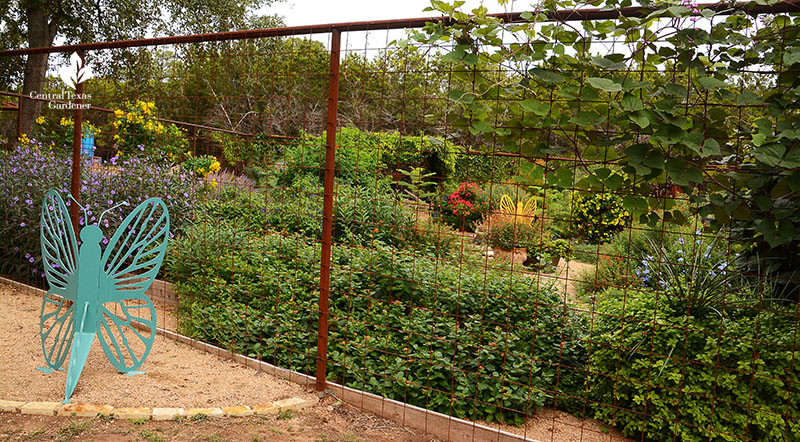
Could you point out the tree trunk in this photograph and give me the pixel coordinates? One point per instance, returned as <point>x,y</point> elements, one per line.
<point>40,33</point>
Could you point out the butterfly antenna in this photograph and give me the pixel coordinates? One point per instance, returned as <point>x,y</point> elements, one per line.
<point>85,215</point>
<point>99,220</point>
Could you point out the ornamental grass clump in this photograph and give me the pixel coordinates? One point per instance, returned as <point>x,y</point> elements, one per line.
<point>29,171</point>
<point>692,270</point>
<point>508,232</point>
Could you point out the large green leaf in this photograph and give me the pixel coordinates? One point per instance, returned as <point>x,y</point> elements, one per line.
<point>631,103</point>
<point>683,173</point>
<point>563,177</point>
<point>770,154</point>
<point>710,83</point>
<point>747,99</point>
<point>604,84</point>
<point>535,106</point>
<point>547,76</point>
<point>607,64</point>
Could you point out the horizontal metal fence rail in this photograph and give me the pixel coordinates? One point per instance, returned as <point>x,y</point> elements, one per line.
<point>558,16</point>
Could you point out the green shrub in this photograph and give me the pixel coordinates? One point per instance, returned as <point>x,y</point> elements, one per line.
<point>597,217</point>
<point>355,165</point>
<point>361,216</point>
<point>294,209</point>
<point>399,151</point>
<point>556,211</point>
<point>433,238</point>
<point>368,214</point>
<point>456,338</point>
<point>253,151</point>
<point>660,374</point>
<point>508,232</point>
<point>362,157</point>
<point>484,168</point>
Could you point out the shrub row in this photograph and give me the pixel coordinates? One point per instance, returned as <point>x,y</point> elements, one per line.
<point>449,337</point>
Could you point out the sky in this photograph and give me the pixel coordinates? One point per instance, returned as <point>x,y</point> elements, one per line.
<point>313,12</point>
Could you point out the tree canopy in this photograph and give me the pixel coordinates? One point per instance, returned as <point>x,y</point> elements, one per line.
<point>36,23</point>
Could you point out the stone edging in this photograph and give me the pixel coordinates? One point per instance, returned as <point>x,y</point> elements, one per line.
<point>156,414</point>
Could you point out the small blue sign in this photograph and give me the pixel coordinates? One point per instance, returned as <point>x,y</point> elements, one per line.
<point>87,145</point>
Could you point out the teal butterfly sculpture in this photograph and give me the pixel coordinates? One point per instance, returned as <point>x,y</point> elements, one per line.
<point>96,292</point>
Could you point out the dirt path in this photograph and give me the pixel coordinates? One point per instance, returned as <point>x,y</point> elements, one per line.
<point>176,375</point>
<point>565,277</point>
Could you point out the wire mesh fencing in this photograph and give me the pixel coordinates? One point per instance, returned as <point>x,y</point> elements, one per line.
<point>554,223</point>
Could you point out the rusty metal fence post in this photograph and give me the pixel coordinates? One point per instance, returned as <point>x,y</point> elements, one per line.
<point>19,117</point>
<point>327,210</point>
<point>75,188</point>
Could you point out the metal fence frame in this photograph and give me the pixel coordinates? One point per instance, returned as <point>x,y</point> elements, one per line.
<point>332,124</point>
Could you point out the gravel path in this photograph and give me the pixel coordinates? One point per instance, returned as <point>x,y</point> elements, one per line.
<point>176,375</point>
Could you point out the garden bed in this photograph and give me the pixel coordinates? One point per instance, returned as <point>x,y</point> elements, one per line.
<point>181,376</point>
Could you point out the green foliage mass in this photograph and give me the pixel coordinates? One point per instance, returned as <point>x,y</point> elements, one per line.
<point>596,217</point>
<point>363,157</point>
<point>675,101</point>
<point>660,374</point>
<point>361,216</point>
<point>410,328</point>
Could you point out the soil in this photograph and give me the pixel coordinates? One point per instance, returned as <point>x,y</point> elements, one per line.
<point>175,374</point>
<point>558,426</point>
<point>327,421</point>
<point>181,376</point>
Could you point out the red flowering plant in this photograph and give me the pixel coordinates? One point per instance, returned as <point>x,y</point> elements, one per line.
<point>465,206</point>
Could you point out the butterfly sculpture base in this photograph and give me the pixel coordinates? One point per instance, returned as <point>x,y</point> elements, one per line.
<point>100,293</point>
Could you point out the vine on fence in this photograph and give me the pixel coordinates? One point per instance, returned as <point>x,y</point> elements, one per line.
<point>676,105</point>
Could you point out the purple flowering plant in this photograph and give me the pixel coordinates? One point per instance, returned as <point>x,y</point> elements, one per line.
<point>28,171</point>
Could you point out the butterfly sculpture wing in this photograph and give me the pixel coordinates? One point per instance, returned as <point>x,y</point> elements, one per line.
<point>59,258</point>
<point>127,322</point>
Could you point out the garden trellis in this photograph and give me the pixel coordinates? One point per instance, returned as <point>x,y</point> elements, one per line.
<point>661,167</point>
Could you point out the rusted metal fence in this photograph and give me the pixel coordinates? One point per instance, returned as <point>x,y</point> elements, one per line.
<point>334,216</point>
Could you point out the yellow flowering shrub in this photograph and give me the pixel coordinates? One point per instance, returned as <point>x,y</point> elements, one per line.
<point>58,135</point>
<point>138,132</point>
<point>202,166</point>
<point>597,217</point>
